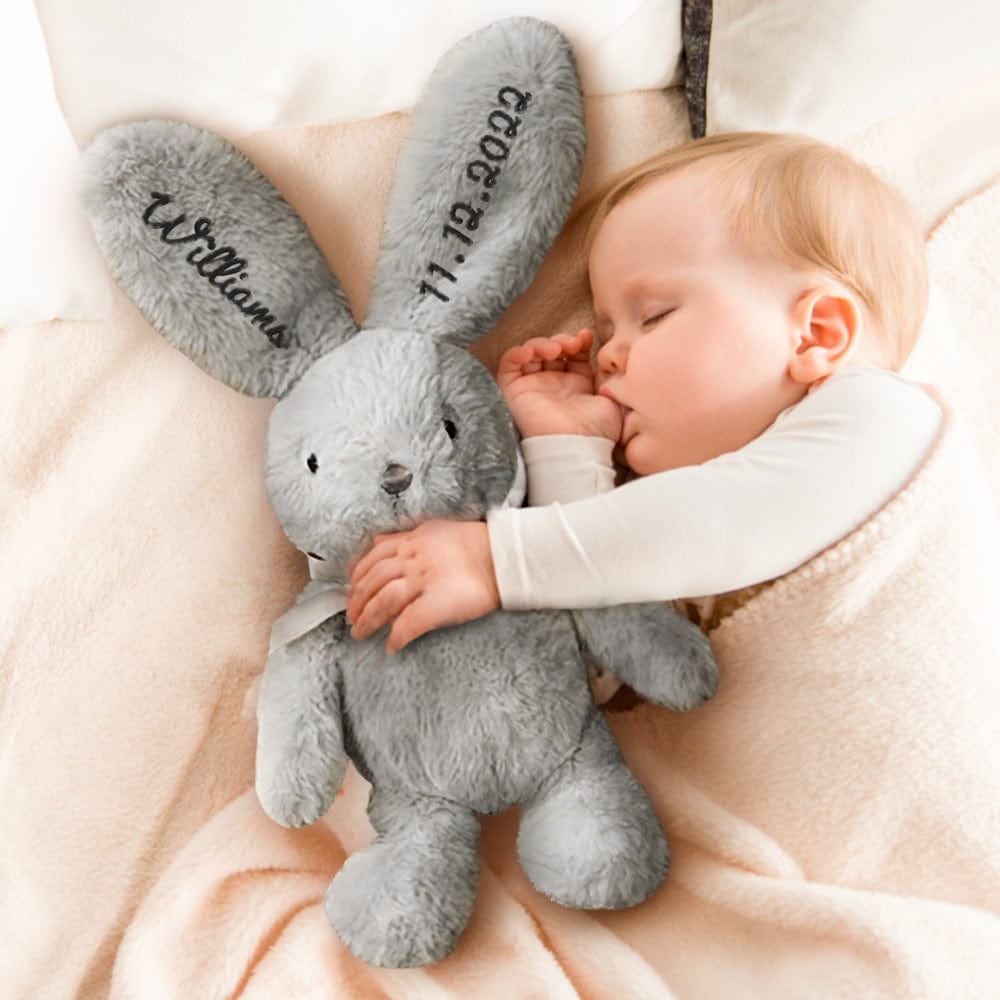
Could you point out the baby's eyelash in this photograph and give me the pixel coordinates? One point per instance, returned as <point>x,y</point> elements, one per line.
<point>656,319</point>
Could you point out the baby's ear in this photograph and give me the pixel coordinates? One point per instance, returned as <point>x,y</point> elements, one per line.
<point>212,255</point>
<point>484,182</point>
<point>828,325</point>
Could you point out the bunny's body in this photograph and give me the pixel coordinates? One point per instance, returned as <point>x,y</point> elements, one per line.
<point>423,723</point>
<point>378,429</point>
<point>441,743</point>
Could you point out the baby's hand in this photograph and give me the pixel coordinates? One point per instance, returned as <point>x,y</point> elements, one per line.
<point>440,573</point>
<point>548,384</point>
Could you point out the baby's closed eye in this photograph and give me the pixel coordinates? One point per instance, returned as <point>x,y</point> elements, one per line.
<point>656,317</point>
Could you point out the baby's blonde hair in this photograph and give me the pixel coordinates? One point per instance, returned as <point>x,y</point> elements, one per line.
<point>814,207</point>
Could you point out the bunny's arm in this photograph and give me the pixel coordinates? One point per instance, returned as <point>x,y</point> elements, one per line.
<point>301,759</point>
<point>656,651</point>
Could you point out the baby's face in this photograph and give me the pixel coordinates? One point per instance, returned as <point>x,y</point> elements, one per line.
<point>696,333</point>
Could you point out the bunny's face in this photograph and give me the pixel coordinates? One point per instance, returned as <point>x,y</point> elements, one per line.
<point>387,430</point>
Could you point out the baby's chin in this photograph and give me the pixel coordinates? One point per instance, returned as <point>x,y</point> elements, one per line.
<point>635,458</point>
<point>644,458</point>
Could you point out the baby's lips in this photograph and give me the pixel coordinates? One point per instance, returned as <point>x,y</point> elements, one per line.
<point>603,390</point>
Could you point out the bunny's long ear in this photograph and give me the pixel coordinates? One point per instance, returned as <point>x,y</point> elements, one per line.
<point>484,182</point>
<point>212,254</point>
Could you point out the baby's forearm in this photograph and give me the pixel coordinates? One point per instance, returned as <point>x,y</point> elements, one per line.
<point>593,552</point>
<point>564,467</point>
<point>638,543</point>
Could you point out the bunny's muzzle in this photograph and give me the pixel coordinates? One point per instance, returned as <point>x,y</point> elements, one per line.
<point>396,479</point>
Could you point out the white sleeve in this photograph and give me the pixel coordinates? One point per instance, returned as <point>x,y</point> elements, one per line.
<point>566,467</point>
<point>822,468</point>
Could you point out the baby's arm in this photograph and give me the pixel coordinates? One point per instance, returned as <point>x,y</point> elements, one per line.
<point>737,520</point>
<point>441,573</point>
<point>820,471</point>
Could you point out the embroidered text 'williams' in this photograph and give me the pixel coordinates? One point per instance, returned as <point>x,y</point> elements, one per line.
<point>220,266</point>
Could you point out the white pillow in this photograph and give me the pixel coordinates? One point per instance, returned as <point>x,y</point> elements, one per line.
<point>238,67</point>
<point>833,67</point>
<point>49,264</point>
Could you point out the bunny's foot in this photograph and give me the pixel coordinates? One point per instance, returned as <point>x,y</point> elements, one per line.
<point>404,900</point>
<point>589,838</point>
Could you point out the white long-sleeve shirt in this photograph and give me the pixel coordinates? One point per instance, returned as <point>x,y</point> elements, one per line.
<point>822,468</point>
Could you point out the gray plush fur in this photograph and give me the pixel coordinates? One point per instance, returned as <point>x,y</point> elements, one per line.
<point>466,720</point>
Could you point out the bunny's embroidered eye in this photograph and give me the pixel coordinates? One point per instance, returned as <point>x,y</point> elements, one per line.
<point>451,429</point>
<point>312,464</point>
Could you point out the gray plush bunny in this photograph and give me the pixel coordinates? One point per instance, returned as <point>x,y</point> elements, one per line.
<point>377,429</point>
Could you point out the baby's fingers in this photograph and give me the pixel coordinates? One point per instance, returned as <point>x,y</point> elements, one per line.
<point>385,606</point>
<point>364,586</point>
<point>529,356</point>
<point>411,624</point>
<point>543,353</point>
<point>575,345</point>
<point>566,348</point>
<point>576,351</point>
<point>383,547</point>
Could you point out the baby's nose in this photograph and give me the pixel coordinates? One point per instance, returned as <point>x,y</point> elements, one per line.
<point>396,479</point>
<point>611,357</point>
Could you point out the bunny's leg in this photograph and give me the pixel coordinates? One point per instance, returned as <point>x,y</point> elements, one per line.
<point>404,900</point>
<point>300,749</point>
<point>589,837</point>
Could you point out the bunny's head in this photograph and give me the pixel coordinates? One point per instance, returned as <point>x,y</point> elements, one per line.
<point>382,432</point>
<point>379,427</point>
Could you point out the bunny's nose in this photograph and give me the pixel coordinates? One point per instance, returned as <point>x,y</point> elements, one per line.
<point>396,479</point>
